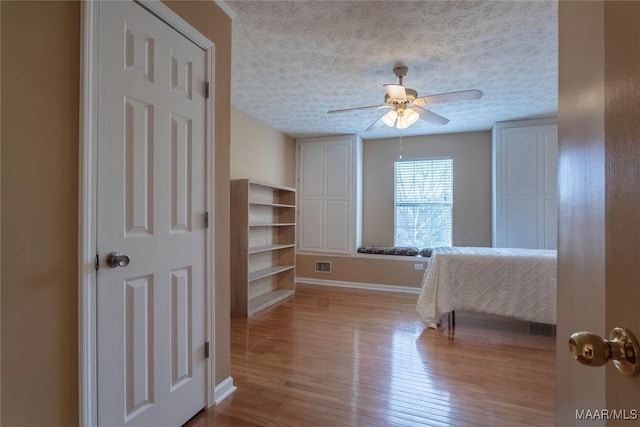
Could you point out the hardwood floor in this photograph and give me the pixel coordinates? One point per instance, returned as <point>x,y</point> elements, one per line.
<point>346,357</point>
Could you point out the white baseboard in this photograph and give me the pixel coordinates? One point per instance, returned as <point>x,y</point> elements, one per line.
<point>223,390</point>
<point>359,285</point>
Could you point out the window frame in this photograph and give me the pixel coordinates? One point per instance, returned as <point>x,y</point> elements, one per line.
<point>418,159</point>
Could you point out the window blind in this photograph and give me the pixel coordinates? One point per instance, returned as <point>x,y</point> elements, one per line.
<point>423,202</point>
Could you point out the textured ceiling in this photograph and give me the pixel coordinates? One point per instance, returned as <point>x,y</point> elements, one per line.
<point>292,61</point>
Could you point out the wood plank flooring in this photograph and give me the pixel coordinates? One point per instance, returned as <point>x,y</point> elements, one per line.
<point>347,357</point>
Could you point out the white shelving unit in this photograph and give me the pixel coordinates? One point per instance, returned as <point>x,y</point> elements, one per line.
<point>263,245</point>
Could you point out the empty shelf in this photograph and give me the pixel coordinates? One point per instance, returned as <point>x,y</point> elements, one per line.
<point>267,248</point>
<point>263,301</point>
<point>274,205</point>
<point>273,224</point>
<point>266,272</point>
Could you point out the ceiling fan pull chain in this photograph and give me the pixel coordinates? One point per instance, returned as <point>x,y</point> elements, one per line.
<point>400,148</point>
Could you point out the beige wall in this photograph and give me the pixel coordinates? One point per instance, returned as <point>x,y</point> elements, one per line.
<point>39,131</point>
<point>39,155</point>
<point>471,153</point>
<point>260,152</point>
<point>377,271</point>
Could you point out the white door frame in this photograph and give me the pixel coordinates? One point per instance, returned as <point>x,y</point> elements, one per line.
<point>87,224</point>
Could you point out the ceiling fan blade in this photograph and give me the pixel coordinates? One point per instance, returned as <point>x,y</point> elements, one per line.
<point>368,107</point>
<point>430,117</point>
<point>377,125</point>
<point>395,91</point>
<point>463,95</point>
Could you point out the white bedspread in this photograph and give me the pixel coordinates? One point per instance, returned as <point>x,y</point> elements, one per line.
<point>519,283</point>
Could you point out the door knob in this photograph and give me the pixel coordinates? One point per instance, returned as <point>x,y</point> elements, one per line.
<point>116,259</point>
<point>621,348</point>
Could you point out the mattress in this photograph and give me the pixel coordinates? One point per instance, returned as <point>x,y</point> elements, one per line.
<point>518,283</point>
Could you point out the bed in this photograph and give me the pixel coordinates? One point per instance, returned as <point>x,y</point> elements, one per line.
<point>518,283</point>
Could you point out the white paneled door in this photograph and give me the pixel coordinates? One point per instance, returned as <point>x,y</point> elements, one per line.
<point>151,207</point>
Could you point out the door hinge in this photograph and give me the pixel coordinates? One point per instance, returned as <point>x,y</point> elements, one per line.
<point>206,90</point>
<point>206,350</point>
<point>97,262</point>
<point>206,219</point>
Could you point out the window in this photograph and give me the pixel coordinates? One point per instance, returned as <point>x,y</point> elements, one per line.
<point>423,202</point>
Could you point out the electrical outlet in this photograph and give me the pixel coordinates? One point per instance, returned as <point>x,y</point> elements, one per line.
<point>418,266</point>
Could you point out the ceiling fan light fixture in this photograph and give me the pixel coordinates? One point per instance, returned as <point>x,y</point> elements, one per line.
<point>402,123</point>
<point>389,118</point>
<point>407,118</point>
<point>411,116</point>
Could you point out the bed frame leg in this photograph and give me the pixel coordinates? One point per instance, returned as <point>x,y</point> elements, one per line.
<point>451,319</point>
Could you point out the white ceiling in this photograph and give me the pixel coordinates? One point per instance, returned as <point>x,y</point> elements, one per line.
<point>292,61</point>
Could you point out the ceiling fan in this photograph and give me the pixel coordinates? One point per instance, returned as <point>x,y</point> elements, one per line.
<point>406,105</point>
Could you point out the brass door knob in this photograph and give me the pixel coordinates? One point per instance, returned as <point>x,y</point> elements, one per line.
<point>621,348</point>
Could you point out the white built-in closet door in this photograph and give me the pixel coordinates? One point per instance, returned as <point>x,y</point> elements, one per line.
<point>325,176</point>
<point>336,208</point>
<point>526,187</point>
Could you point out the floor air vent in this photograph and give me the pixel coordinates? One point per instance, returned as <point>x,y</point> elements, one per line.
<point>322,267</point>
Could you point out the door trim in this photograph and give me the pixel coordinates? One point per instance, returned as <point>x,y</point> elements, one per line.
<point>87,207</point>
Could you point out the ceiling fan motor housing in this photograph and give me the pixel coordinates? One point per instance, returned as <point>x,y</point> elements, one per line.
<point>411,95</point>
